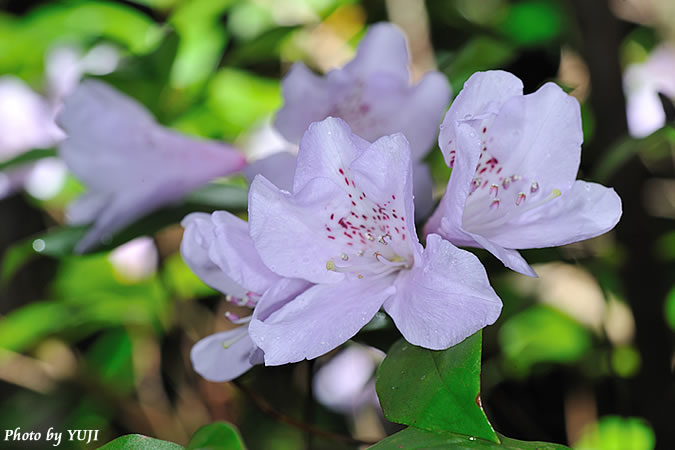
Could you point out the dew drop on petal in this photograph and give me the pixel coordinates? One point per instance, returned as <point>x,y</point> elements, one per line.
<point>534,187</point>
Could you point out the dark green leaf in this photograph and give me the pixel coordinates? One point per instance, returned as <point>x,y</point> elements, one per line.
<point>416,439</point>
<point>435,390</point>
<point>216,436</point>
<point>139,442</point>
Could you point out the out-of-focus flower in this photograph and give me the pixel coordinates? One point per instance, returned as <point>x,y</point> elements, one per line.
<point>135,260</point>
<point>27,119</point>
<point>219,250</point>
<point>514,162</point>
<point>373,94</point>
<point>130,164</point>
<point>346,383</point>
<point>348,227</point>
<point>642,83</point>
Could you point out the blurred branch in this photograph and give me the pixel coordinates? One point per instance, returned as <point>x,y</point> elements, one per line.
<point>268,409</point>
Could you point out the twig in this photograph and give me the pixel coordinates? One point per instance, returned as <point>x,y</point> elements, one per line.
<point>268,409</point>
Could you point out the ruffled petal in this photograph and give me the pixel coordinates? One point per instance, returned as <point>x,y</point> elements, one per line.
<point>319,320</point>
<point>444,298</point>
<point>215,360</point>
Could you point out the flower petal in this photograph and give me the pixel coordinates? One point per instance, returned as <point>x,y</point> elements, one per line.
<point>444,299</point>
<point>319,320</point>
<point>538,137</point>
<point>327,148</point>
<point>213,361</point>
<point>447,219</point>
<point>423,185</point>
<point>307,98</point>
<point>420,112</point>
<point>382,50</point>
<point>115,146</point>
<point>278,167</point>
<point>510,258</point>
<point>585,211</point>
<point>483,93</point>
<point>288,231</point>
<point>198,239</point>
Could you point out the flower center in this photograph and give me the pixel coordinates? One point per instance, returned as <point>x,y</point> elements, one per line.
<point>372,234</point>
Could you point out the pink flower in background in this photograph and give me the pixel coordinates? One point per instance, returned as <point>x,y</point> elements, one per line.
<point>514,161</point>
<point>130,164</point>
<point>642,84</point>
<point>348,227</point>
<point>219,250</point>
<point>373,94</point>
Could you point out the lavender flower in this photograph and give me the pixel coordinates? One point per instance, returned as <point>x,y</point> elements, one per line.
<point>130,164</point>
<point>514,161</point>
<point>347,227</point>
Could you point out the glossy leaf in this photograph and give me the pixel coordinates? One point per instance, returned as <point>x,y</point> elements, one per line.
<point>435,390</point>
<point>416,439</point>
<point>139,442</point>
<point>216,436</point>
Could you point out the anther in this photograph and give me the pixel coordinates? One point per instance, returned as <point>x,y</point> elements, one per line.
<point>520,198</point>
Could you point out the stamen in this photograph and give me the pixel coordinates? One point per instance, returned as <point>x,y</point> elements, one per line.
<point>230,342</point>
<point>494,190</point>
<point>520,198</point>
<point>235,319</point>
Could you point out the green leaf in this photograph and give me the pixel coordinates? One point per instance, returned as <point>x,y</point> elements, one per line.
<point>542,334</point>
<point>216,436</point>
<point>27,157</point>
<point>435,390</point>
<point>533,22</point>
<point>139,442</point>
<point>416,439</point>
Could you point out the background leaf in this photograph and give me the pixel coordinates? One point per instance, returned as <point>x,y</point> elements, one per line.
<point>139,442</point>
<point>216,436</point>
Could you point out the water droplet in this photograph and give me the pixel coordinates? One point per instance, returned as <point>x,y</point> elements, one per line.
<point>344,257</point>
<point>494,189</point>
<point>471,438</point>
<point>534,187</point>
<point>495,204</point>
<point>506,183</point>
<point>39,245</point>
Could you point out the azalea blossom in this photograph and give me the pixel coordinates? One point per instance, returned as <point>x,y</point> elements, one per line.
<point>130,164</point>
<point>373,94</point>
<point>348,228</point>
<point>642,83</point>
<point>219,250</point>
<point>514,161</point>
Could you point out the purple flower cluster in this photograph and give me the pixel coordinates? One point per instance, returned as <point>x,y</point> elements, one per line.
<point>321,255</point>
